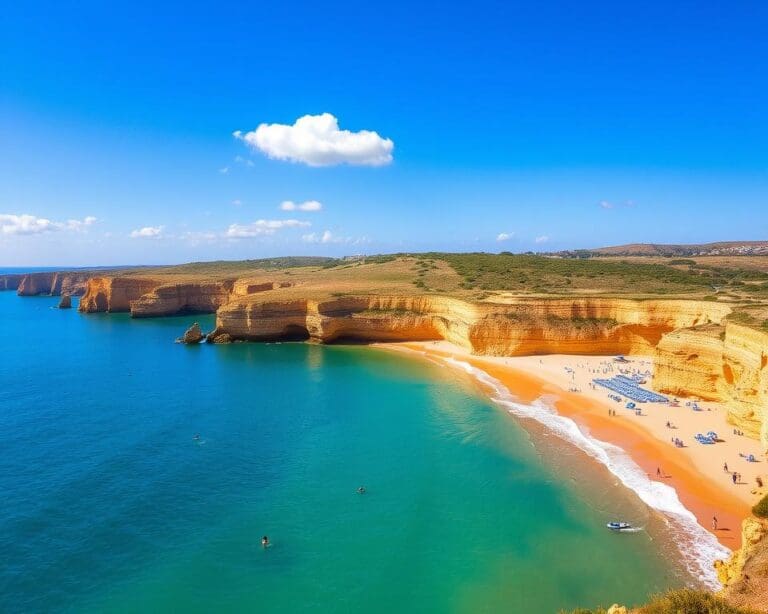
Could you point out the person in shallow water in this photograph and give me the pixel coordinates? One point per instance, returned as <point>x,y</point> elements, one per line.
<point>196,437</point>
<point>265,542</point>
<point>361,490</point>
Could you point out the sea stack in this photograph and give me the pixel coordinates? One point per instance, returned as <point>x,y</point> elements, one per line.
<point>193,334</point>
<point>65,302</point>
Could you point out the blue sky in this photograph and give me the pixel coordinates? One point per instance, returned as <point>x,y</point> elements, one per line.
<point>549,125</point>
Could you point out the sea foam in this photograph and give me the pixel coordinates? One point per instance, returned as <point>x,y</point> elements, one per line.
<point>699,549</point>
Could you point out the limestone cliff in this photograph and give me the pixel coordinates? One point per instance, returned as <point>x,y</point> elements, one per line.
<point>181,298</point>
<point>725,363</point>
<point>745,575</point>
<point>114,294</point>
<point>10,281</point>
<point>521,327</point>
<point>148,297</point>
<point>53,283</point>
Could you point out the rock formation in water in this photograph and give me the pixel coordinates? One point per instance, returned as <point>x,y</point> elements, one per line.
<point>193,334</point>
<point>65,302</point>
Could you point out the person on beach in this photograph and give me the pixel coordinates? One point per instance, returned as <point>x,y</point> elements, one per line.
<point>714,523</point>
<point>725,467</point>
<point>658,472</point>
<point>733,477</point>
<point>265,542</point>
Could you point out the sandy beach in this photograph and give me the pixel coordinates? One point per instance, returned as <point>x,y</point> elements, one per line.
<point>696,471</point>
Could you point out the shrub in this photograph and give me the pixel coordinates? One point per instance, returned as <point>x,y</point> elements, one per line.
<point>761,508</point>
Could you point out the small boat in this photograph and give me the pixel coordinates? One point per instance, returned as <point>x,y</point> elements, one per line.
<point>618,526</point>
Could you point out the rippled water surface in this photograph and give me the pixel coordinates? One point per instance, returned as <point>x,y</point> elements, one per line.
<point>110,505</point>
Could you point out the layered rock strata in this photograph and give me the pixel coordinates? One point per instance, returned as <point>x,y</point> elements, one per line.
<point>727,364</point>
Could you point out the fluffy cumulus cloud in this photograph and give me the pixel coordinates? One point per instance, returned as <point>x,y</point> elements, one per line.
<point>148,232</point>
<point>504,236</point>
<point>316,140</point>
<point>26,224</point>
<point>261,228</point>
<point>307,205</point>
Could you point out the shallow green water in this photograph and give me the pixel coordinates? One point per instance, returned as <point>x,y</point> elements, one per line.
<point>110,506</point>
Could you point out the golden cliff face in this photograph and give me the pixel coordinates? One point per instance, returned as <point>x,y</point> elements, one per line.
<point>114,294</point>
<point>727,364</point>
<point>745,575</point>
<point>146,297</point>
<point>53,283</point>
<point>181,298</point>
<point>533,326</point>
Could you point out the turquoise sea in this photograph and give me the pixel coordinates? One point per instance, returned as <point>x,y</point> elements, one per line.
<point>110,505</point>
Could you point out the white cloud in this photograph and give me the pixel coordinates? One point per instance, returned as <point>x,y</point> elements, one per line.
<point>147,232</point>
<point>606,205</point>
<point>504,236</point>
<point>224,170</point>
<point>308,205</point>
<point>237,202</point>
<point>325,237</point>
<point>542,239</point>
<point>26,224</point>
<point>261,227</point>
<point>244,161</point>
<point>316,140</point>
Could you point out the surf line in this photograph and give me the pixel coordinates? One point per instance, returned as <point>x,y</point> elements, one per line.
<point>698,548</point>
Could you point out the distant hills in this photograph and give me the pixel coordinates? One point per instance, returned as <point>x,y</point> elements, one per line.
<point>721,248</point>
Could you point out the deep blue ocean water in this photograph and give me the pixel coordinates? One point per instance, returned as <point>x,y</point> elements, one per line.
<point>110,505</point>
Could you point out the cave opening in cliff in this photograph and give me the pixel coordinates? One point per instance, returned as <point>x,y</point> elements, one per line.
<point>294,332</point>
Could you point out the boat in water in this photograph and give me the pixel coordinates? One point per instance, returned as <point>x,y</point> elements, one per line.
<point>618,526</point>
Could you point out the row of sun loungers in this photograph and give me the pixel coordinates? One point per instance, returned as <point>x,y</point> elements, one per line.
<point>629,388</point>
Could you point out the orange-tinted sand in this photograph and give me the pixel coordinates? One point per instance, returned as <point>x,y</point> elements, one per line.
<point>696,472</point>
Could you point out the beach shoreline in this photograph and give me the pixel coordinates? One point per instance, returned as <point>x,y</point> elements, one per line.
<point>695,472</point>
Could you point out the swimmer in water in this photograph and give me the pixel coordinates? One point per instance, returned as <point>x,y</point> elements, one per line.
<point>196,437</point>
<point>361,490</point>
<point>265,542</point>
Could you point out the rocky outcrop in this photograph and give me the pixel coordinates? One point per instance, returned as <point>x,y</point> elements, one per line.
<point>182,298</point>
<point>727,364</point>
<point>194,334</point>
<point>115,294</point>
<point>745,575</point>
<point>53,283</point>
<point>65,302</point>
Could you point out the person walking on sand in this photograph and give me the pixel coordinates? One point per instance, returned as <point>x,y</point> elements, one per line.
<point>714,523</point>
<point>658,472</point>
<point>733,477</point>
<point>725,467</point>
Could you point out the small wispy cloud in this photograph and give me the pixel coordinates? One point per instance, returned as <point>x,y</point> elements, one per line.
<point>237,202</point>
<point>606,205</point>
<point>307,205</point>
<point>541,239</point>
<point>147,232</point>
<point>261,228</point>
<point>224,170</point>
<point>504,236</point>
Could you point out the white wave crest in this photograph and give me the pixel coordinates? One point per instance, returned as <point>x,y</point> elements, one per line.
<point>699,549</point>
